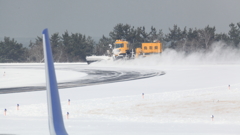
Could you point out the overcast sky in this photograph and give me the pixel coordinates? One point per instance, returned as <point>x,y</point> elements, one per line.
<point>27,18</point>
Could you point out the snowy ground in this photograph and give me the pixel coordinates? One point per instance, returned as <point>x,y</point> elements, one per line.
<point>32,76</point>
<point>179,102</point>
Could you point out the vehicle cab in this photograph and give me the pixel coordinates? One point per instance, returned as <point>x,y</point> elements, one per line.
<point>121,48</point>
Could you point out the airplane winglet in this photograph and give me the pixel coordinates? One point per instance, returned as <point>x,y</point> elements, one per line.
<point>55,118</point>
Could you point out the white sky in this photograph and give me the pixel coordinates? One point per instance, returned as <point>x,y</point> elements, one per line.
<point>94,18</point>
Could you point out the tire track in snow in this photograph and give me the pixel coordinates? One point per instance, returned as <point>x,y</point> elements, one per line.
<point>94,77</point>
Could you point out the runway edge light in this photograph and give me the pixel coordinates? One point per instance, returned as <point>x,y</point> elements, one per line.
<point>55,118</point>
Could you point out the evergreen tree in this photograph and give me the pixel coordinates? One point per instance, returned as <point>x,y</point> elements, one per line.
<point>222,37</point>
<point>57,47</point>
<point>66,41</point>
<point>155,35</point>
<point>78,46</point>
<point>103,45</point>
<point>176,36</point>
<point>11,51</point>
<point>192,40</point>
<point>234,33</point>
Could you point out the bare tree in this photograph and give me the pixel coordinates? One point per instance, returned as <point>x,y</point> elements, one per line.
<point>206,36</point>
<point>36,50</point>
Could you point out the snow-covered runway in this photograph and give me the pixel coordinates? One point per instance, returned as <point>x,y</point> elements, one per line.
<point>179,102</point>
<point>26,78</point>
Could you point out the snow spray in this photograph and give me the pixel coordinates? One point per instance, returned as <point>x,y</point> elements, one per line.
<point>219,53</point>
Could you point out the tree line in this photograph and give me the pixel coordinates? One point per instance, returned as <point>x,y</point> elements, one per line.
<point>75,47</point>
<point>65,48</point>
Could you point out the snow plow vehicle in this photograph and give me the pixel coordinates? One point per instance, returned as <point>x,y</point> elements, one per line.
<point>148,48</point>
<point>121,50</point>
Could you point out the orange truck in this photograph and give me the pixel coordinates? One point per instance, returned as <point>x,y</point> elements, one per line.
<point>121,50</point>
<point>148,48</point>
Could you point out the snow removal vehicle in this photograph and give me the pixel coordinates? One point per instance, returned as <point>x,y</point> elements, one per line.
<point>121,51</point>
<point>148,49</point>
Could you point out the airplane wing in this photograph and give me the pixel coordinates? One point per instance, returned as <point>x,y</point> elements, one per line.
<point>55,118</point>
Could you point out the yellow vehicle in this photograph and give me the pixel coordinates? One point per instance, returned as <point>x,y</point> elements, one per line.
<point>121,49</point>
<point>149,48</point>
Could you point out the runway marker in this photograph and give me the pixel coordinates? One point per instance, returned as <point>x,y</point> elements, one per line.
<point>17,106</point>
<point>67,115</point>
<point>68,101</point>
<point>5,112</point>
<point>212,117</point>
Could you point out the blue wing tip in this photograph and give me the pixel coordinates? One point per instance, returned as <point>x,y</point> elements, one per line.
<point>45,31</point>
